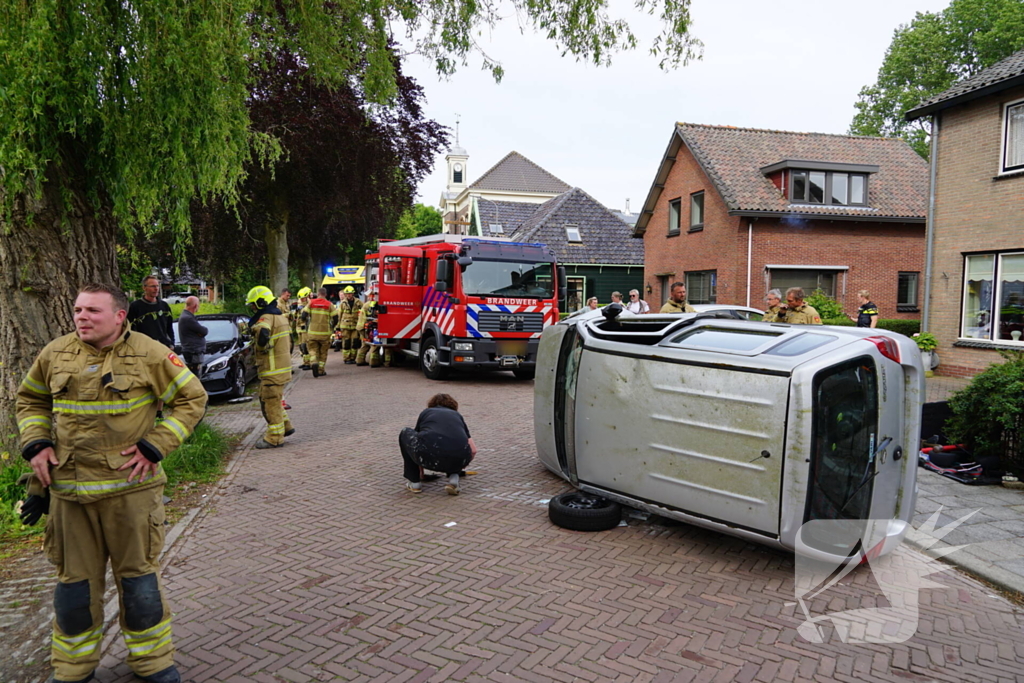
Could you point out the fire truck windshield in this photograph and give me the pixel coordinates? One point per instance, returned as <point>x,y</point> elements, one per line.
<point>505,278</point>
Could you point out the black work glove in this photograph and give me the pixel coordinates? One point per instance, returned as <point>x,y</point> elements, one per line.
<point>33,508</point>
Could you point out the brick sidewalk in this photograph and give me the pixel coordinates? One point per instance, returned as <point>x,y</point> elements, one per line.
<point>314,564</point>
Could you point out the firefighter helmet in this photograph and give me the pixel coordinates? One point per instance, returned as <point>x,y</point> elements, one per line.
<point>259,296</point>
<point>304,292</point>
<point>349,290</point>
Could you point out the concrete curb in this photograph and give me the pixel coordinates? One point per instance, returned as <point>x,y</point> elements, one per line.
<point>976,568</point>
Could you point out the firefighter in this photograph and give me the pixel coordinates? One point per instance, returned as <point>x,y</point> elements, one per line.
<point>367,324</point>
<point>269,328</point>
<point>87,413</point>
<point>348,323</point>
<point>321,317</point>
<point>301,327</point>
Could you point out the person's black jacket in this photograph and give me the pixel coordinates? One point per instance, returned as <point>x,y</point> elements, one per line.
<point>191,333</point>
<point>152,320</point>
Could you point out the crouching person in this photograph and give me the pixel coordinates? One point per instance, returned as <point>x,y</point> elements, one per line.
<point>87,413</point>
<point>440,443</point>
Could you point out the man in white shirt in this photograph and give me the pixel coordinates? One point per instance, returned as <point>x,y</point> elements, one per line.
<point>636,304</point>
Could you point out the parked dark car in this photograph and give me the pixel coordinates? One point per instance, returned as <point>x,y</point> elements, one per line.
<point>229,364</point>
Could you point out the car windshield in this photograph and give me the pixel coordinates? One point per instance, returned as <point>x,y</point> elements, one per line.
<point>504,278</point>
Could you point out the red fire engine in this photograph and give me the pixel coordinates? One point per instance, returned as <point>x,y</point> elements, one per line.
<point>463,302</point>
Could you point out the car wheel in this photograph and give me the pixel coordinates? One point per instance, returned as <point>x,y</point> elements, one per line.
<point>430,360</point>
<point>238,389</point>
<point>525,373</point>
<point>580,511</point>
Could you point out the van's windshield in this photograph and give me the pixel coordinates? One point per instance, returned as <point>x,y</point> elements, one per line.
<point>844,439</point>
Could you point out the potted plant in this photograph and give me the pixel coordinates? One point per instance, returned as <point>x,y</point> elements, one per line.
<point>927,343</point>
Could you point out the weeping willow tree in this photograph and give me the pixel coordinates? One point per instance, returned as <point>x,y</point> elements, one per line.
<point>116,114</point>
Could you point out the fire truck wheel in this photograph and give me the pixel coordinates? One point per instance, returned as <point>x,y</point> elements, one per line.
<point>430,360</point>
<point>581,511</point>
<point>525,373</point>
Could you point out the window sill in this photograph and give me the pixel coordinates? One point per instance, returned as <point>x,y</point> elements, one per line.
<point>987,344</point>
<point>1016,173</point>
<point>907,308</point>
<point>696,228</point>
<point>673,234</point>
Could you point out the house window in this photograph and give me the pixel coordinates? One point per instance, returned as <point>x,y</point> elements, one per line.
<point>820,187</point>
<point>497,229</point>
<point>1013,137</point>
<point>993,305</point>
<point>906,292</point>
<point>701,287</point>
<point>572,233</point>
<point>574,291</point>
<point>808,280</point>
<point>697,211</point>
<point>674,207</point>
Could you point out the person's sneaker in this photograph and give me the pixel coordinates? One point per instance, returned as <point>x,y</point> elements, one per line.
<point>316,371</point>
<point>168,675</point>
<point>414,488</point>
<point>290,432</point>
<point>266,444</point>
<point>54,679</point>
<point>452,488</point>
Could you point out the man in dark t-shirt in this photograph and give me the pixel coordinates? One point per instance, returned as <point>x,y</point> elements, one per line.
<point>867,314</point>
<point>150,315</point>
<point>440,442</point>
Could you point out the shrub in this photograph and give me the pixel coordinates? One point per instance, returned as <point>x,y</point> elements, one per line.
<point>842,322</point>
<point>988,414</point>
<point>826,306</point>
<point>907,327</point>
<point>926,341</point>
<point>11,492</point>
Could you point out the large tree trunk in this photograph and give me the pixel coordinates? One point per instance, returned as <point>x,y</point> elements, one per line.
<point>307,269</point>
<point>277,245</point>
<point>44,259</point>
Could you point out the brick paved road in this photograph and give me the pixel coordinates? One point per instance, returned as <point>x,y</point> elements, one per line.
<point>315,564</point>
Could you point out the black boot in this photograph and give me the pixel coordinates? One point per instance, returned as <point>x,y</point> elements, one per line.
<point>168,675</point>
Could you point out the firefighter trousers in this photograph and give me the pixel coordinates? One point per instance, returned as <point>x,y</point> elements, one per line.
<point>318,349</point>
<point>274,413</point>
<point>304,348</point>
<point>129,531</point>
<point>350,342</point>
<point>370,354</point>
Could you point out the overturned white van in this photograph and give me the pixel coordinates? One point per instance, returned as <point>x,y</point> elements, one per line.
<point>749,428</point>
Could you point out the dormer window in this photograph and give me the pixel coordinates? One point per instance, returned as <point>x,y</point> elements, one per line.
<point>817,182</point>
<point>572,233</point>
<point>457,173</point>
<point>497,229</point>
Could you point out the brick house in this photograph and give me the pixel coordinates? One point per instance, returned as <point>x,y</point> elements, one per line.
<point>974,284</point>
<point>734,212</point>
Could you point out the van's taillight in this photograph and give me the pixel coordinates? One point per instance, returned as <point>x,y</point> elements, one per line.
<point>887,347</point>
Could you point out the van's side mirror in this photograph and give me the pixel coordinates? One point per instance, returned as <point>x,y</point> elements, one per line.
<point>563,288</point>
<point>443,273</point>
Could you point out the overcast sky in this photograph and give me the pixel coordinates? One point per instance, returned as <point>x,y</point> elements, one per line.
<point>783,65</point>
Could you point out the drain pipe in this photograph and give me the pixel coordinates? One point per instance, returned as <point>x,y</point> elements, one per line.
<point>930,226</point>
<point>750,254</point>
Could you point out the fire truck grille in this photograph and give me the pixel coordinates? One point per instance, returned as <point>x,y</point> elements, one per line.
<point>494,321</point>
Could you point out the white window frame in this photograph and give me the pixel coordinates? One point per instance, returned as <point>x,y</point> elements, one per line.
<point>997,297</point>
<point>1003,138</point>
<point>573,234</point>
<point>675,215</point>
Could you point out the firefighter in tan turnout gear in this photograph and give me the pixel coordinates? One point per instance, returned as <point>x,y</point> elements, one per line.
<point>271,334</point>
<point>349,309</point>
<point>301,327</point>
<point>321,317</point>
<point>370,351</point>
<point>87,416</point>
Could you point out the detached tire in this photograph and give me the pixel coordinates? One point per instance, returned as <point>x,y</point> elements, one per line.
<point>580,511</point>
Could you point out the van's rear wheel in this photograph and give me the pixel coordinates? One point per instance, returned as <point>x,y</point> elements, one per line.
<point>580,511</point>
<point>430,360</point>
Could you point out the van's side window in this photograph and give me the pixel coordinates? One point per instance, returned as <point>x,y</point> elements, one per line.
<point>844,437</point>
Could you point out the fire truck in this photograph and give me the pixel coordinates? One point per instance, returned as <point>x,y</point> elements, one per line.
<point>454,302</point>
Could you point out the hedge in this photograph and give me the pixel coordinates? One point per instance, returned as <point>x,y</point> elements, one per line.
<point>907,327</point>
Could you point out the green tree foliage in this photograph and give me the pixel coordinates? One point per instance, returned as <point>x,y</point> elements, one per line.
<point>988,415</point>
<point>827,307</point>
<point>418,221</point>
<point>929,55</point>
